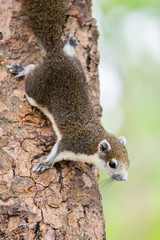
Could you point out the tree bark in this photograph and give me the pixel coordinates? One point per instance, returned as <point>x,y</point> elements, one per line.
<point>59,203</point>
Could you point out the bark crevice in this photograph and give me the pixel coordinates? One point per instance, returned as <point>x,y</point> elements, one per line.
<point>63,202</point>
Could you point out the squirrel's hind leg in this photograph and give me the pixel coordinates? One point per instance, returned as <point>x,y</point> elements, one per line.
<point>20,71</point>
<point>72,40</point>
<point>69,47</point>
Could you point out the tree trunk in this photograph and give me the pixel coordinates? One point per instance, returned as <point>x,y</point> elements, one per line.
<point>59,203</point>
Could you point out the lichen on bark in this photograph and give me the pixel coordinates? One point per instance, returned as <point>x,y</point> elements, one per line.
<point>63,202</point>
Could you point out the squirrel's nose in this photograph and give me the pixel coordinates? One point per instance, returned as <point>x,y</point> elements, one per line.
<point>119,177</point>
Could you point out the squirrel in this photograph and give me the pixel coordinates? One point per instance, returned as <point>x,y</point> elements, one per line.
<point>58,87</point>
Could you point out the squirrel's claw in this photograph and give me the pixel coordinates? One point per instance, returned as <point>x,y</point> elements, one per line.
<point>42,166</point>
<point>72,40</point>
<point>16,69</point>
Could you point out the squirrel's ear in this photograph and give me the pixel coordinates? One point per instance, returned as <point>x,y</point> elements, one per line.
<point>104,147</point>
<point>122,140</point>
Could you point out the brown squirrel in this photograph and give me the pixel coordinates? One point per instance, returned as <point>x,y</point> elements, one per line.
<point>58,88</point>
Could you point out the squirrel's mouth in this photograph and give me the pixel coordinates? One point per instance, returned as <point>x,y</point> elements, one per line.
<point>119,177</point>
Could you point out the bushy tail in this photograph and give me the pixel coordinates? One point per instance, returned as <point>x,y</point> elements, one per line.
<point>46,18</point>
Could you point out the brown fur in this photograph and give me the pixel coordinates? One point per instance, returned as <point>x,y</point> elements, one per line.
<point>59,84</point>
<point>46,19</point>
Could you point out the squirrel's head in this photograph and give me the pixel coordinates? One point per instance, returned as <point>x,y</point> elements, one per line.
<point>113,157</point>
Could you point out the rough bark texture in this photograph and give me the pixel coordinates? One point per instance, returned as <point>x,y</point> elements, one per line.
<point>63,202</point>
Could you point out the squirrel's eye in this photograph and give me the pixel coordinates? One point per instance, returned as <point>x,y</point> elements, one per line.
<point>112,164</point>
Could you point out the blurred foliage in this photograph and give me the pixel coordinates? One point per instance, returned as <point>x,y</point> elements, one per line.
<point>107,5</point>
<point>132,209</point>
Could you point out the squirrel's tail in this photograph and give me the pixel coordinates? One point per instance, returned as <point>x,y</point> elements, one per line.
<point>46,18</point>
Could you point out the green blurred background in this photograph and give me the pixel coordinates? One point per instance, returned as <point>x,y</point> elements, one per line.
<point>129,46</point>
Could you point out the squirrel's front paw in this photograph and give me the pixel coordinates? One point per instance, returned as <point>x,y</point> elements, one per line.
<point>42,166</point>
<point>16,69</point>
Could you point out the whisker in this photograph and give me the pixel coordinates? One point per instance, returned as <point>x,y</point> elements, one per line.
<point>105,184</point>
<point>102,187</point>
<point>105,180</point>
<point>107,187</point>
